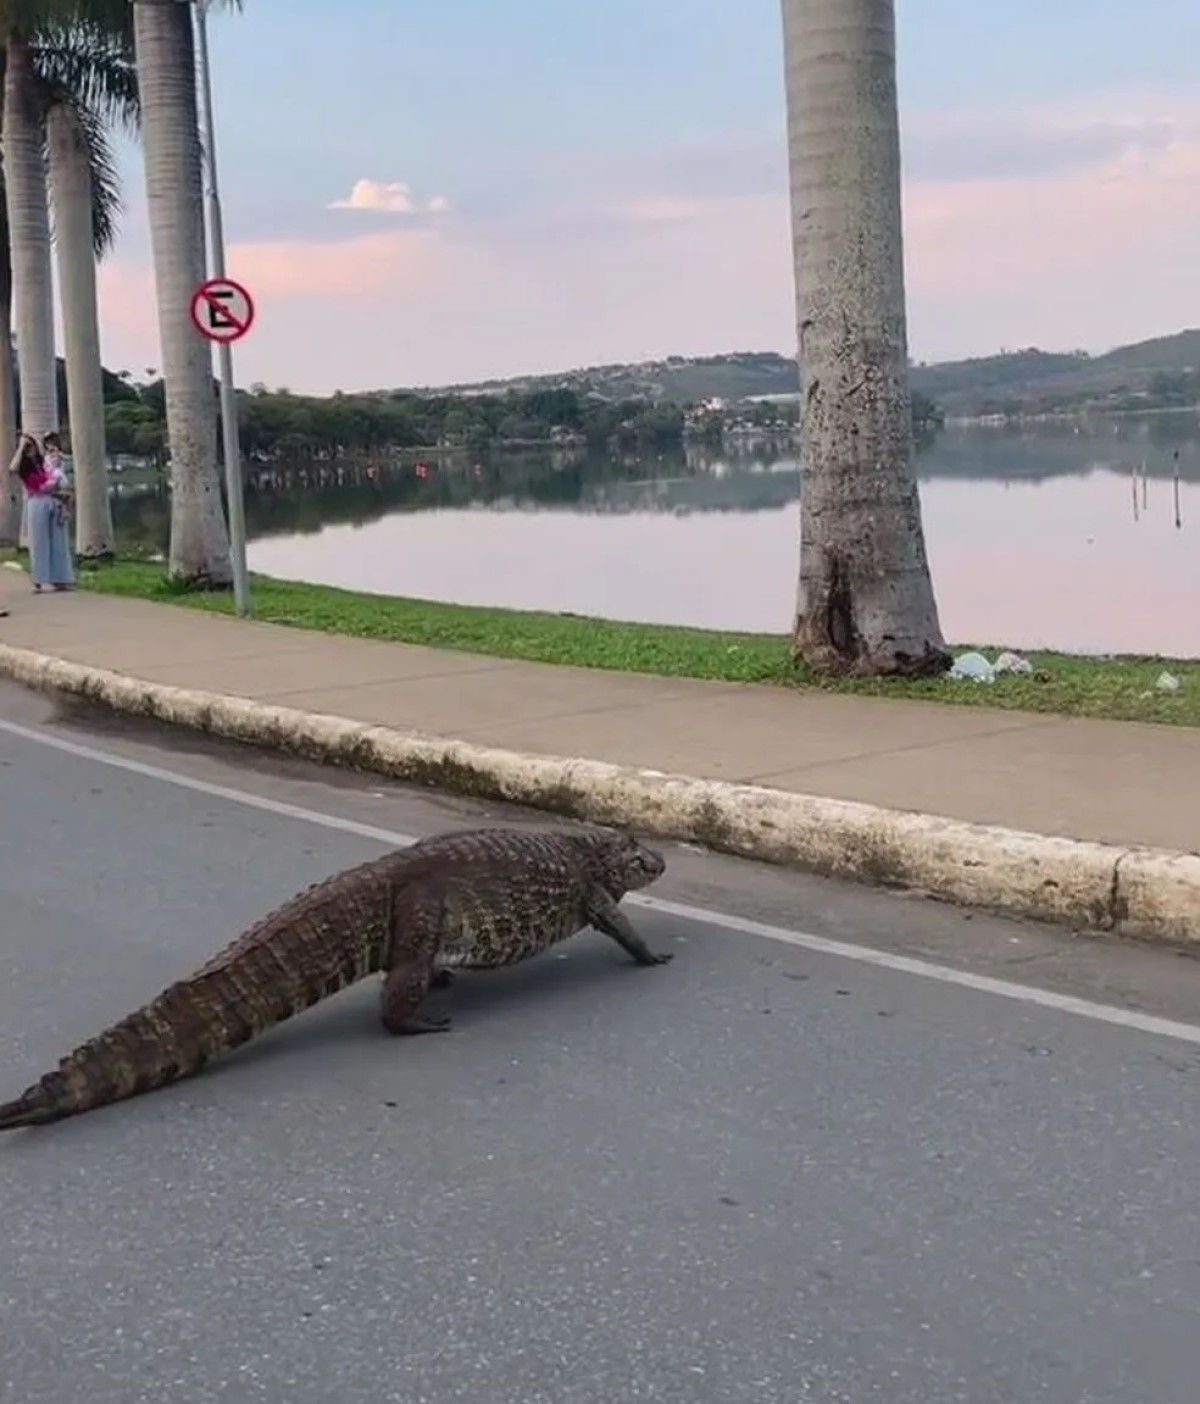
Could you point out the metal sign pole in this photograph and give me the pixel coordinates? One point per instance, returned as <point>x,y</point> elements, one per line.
<point>229,424</point>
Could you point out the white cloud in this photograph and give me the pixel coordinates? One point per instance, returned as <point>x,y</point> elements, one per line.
<point>388,197</point>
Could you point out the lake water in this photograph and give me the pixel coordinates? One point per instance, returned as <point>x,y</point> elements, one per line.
<point>1046,536</point>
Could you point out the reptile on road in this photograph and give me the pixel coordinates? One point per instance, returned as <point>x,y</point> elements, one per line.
<point>476,900</point>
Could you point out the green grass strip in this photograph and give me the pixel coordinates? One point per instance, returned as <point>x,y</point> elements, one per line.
<point>1122,688</point>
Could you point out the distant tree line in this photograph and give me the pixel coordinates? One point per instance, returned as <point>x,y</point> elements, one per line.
<point>1163,390</point>
<point>279,424</point>
<point>276,424</point>
<point>1174,389</point>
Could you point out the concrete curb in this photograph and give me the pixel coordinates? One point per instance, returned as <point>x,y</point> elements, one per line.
<point>1146,894</point>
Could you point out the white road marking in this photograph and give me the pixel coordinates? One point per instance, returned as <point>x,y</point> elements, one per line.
<point>204,787</point>
<point>926,970</point>
<point>863,955</point>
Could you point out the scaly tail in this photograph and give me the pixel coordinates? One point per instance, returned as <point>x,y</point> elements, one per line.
<point>171,1037</point>
<point>252,986</point>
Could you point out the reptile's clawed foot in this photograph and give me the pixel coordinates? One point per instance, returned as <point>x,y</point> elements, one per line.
<point>423,1025</point>
<point>664,959</point>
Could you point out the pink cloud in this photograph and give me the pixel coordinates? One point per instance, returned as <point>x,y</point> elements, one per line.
<point>1034,228</point>
<point>128,314</point>
<point>394,264</point>
<point>319,290</point>
<point>1092,257</point>
<point>662,209</point>
<point>427,307</point>
<point>1091,253</point>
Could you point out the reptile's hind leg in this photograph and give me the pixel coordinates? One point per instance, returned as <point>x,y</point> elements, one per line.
<point>416,933</point>
<point>404,991</point>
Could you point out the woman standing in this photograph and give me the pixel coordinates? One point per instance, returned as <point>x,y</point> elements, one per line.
<point>49,493</point>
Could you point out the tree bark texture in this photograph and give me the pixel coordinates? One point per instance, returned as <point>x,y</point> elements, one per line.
<point>12,498</point>
<point>71,183</point>
<point>865,602</point>
<point>29,235</point>
<point>166,60</point>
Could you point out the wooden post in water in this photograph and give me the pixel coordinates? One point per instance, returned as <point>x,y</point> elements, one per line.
<point>1178,517</point>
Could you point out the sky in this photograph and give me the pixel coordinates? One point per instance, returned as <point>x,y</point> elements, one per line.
<point>420,192</point>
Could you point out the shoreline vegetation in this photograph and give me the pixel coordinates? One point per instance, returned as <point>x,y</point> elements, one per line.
<point>278,426</point>
<point>655,403</point>
<point>1117,688</point>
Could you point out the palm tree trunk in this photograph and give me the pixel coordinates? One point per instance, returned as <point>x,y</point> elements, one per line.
<point>71,182</point>
<point>166,62</point>
<point>29,233</point>
<point>12,499</point>
<point>865,601</point>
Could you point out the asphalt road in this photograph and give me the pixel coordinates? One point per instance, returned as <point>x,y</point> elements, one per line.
<point>766,1172</point>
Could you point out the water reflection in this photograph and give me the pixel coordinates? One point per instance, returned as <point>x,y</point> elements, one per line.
<point>1031,535</point>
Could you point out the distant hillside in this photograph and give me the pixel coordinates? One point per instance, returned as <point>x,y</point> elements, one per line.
<point>1180,352</point>
<point>739,375</point>
<point>1165,370</point>
<point>1035,381</point>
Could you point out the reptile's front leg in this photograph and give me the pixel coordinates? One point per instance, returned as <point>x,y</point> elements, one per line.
<point>604,914</point>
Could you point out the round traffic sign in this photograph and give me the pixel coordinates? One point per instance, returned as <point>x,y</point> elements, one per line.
<point>222,310</point>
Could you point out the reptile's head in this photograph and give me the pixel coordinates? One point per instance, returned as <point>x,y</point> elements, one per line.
<point>628,865</point>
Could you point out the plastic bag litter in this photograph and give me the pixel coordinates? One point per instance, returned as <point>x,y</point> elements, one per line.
<point>1013,663</point>
<point>972,667</point>
<point>1168,682</point>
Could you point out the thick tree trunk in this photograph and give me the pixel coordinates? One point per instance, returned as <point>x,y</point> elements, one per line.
<point>865,603</point>
<point>12,499</point>
<point>29,233</point>
<point>71,182</point>
<point>167,76</point>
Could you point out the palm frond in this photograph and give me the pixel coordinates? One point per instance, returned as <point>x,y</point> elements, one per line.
<point>90,71</point>
<point>105,179</point>
<point>27,16</point>
<point>94,66</point>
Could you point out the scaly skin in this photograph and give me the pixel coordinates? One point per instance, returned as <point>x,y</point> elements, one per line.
<point>474,900</point>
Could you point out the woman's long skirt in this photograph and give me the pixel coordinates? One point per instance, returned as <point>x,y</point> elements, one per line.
<point>50,561</point>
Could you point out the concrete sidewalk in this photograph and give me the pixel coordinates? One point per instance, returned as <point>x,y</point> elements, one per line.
<point>1118,783</point>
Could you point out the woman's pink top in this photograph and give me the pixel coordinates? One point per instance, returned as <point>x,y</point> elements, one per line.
<point>43,482</point>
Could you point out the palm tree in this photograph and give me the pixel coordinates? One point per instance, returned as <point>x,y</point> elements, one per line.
<point>29,228</point>
<point>11,497</point>
<point>88,84</point>
<point>53,50</point>
<point>166,59</point>
<point>865,601</point>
